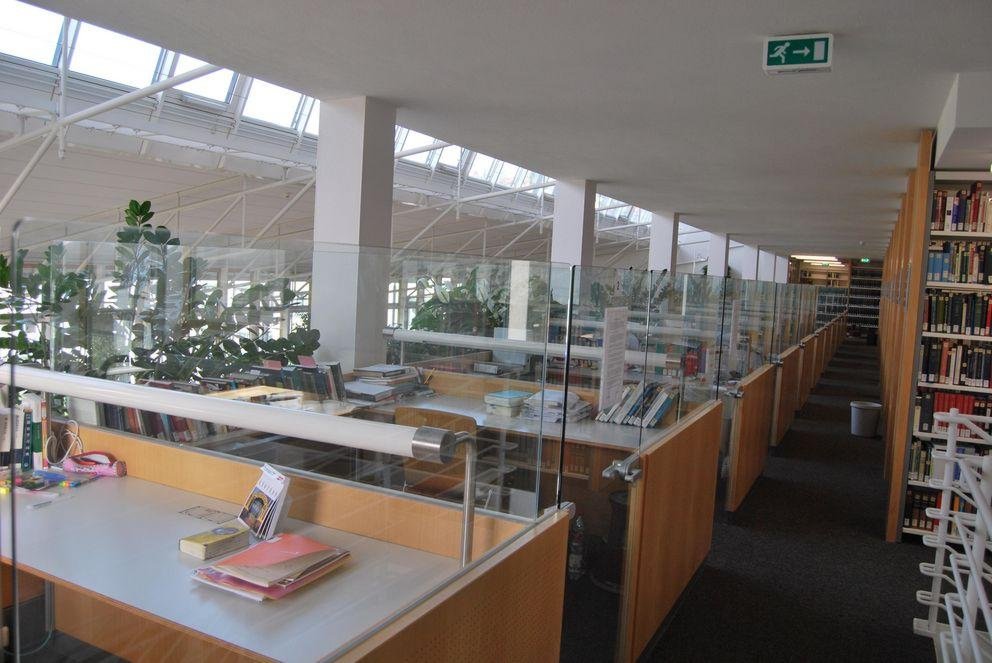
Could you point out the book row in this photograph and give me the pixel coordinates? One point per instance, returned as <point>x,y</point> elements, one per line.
<point>158,425</point>
<point>959,262</point>
<point>920,461</point>
<point>965,210</point>
<point>918,500</point>
<point>960,363</point>
<point>325,382</point>
<point>23,426</point>
<point>958,313</point>
<point>930,402</point>
<point>641,404</point>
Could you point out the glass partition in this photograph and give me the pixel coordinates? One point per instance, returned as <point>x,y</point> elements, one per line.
<point>644,353</point>
<point>339,338</point>
<point>554,376</point>
<point>390,337</point>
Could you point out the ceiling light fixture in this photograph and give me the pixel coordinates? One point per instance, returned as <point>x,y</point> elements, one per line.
<point>817,258</point>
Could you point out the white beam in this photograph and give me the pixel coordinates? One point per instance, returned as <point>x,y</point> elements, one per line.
<point>281,213</point>
<point>420,150</point>
<point>781,269</point>
<point>718,254</point>
<point>663,244</point>
<point>766,266</point>
<point>514,240</point>
<point>110,104</point>
<point>744,259</point>
<point>32,162</point>
<point>574,225</point>
<point>482,196</point>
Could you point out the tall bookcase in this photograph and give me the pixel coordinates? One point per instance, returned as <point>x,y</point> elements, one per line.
<point>866,292</point>
<point>954,343</point>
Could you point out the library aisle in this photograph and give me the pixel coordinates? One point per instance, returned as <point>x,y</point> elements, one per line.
<point>802,572</point>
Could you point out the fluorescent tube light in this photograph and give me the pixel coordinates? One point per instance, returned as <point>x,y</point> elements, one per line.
<point>343,431</point>
<point>817,258</point>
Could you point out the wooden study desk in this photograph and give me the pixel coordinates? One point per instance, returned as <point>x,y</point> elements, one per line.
<point>117,540</point>
<point>586,432</point>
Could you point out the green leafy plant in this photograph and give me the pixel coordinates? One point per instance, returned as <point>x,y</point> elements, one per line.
<point>174,325</point>
<point>32,300</point>
<point>180,327</point>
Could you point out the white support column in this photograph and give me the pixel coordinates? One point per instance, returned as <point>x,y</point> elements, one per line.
<point>718,255</point>
<point>781,269</point>
<point>745,259</point>
<point>574,226</point>
<point>663,247</point>
<point>766,266</point>
<point>353,204</point>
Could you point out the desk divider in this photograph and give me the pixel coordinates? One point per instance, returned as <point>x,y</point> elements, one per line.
<point>430,526</point>
<point>750,431</point>
<point>788,392</point>
<point>670,524</point>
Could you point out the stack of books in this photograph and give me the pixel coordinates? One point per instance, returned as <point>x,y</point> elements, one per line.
<point>382,382</point>
<point>506,403</point>
<point>641,404</point>
<point>549,405</point>
<point>221,540</point>
<point>274,568</point>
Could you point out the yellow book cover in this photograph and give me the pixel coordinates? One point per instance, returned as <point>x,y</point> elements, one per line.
<point>217,541</point>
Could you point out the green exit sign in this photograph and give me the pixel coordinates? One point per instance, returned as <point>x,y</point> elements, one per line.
<point>866,260</point>
<point>795,53</point>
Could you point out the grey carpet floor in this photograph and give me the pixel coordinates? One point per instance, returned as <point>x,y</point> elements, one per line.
<point>801,572</point>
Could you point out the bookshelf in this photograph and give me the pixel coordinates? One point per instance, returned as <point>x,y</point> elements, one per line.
<point>954,344</point>
<point>865,294</point>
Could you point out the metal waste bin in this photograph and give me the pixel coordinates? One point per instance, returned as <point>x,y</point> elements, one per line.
<point>864,418</point>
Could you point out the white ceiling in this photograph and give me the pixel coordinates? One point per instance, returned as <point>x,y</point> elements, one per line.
<point>664,103</point>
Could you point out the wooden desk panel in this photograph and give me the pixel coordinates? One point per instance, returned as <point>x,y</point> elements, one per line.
<point>788,392</point>
<point>670,524</point>
<point>407,521</point>
<point>750,432</point>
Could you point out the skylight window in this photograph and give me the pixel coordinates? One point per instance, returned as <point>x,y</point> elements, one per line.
<point>216,86</point>
<point>508,175</point>
<point>271,103</point>
<point>28,32</point>
<point>482,167</point>
<point>114,57</point>
<point>451,156</point>
<point>415,139</point>
<point>313,122</point>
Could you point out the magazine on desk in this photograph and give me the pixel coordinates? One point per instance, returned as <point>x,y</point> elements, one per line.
<point>274,568</point>
<point>267,503</point>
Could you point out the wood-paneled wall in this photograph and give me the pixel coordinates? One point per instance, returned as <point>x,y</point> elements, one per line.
<point>409,522</point>
<point>670,524</point>
<point>900,313</point>
<point>749,434</point>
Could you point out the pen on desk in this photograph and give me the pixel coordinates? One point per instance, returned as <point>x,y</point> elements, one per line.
<point>60,498</point>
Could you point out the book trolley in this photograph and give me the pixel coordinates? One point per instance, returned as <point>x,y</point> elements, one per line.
<point>959,614</point>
